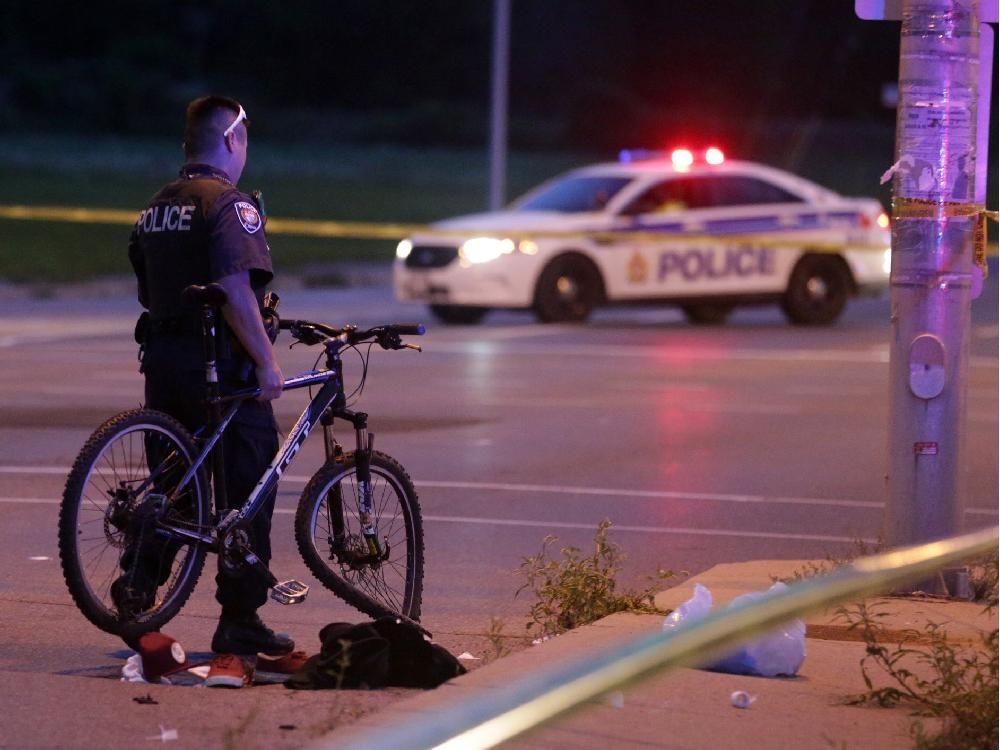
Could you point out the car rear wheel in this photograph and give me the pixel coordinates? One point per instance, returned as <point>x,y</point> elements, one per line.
<point>460,315</point>
<point>706,314</point>
<point>817,290</point>
<point>567,291</point>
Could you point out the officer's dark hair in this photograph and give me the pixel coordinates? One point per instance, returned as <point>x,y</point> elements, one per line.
<point>201,131</point>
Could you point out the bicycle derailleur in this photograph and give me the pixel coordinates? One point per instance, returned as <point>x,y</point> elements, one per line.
<point>127,516</point>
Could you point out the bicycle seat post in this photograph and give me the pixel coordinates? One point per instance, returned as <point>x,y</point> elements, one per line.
<point>209,318</point>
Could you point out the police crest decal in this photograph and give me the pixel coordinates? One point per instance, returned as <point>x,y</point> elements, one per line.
<point>248,215</point>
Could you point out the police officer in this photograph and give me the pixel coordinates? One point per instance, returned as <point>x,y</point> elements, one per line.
<point>199,229</point>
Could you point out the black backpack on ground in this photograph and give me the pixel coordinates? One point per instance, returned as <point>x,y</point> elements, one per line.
<point>384,653</point>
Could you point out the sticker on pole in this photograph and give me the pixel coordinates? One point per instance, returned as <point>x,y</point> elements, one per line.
<point>925,449</point>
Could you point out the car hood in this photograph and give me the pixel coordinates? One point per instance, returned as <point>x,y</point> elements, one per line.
<point>500,221</point>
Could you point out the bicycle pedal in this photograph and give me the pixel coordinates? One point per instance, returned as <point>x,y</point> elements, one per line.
<point>289,592</point>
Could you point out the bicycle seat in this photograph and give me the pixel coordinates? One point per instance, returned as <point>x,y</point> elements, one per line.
<point>210,295</point>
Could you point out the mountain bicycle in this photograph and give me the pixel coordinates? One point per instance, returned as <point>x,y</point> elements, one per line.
<point>141,490</point>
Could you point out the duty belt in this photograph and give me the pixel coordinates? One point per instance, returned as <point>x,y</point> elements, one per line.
<point>180,325</point>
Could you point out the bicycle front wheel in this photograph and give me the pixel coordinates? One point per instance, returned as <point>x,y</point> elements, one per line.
<point>328,530</point>
<point>125,576</point>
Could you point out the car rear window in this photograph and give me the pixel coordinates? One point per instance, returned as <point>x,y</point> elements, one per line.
<point>686,193</point>
<point>575,195</point>
<point>746,191</point>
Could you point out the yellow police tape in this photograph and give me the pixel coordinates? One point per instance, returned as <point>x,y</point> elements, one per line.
<point>921,208</point>
<point>373,231</point>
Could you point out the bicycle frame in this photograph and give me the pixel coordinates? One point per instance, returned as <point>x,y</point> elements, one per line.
<point>327,405</point>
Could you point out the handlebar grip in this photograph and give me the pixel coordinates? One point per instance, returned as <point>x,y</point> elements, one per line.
<point>410,329</point>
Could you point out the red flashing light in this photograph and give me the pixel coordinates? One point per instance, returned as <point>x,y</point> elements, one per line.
<point>714,156</point>
<point>682,158</point>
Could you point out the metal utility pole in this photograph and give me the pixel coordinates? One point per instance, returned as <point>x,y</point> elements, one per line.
<point>498,107</point>
<point>933,239</point>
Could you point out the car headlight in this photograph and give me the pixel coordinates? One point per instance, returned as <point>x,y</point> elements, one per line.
<point>887,261</point>
<point>485,249</point>
<point>403,249</point>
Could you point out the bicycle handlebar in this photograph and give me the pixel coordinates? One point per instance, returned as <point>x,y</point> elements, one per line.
<point>387,336</point>
<point>311,333</point>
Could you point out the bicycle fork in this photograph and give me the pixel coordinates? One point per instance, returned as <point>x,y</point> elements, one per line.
<point>376,551</point>
<point>363,458</point>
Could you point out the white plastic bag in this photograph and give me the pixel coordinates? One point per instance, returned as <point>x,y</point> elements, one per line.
<point>695,608</point>
<point>780,652</point>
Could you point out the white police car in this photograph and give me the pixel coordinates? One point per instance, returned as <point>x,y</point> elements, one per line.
<point>697,231</point>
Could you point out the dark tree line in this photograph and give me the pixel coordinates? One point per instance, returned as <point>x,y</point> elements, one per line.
<point>588,72</point>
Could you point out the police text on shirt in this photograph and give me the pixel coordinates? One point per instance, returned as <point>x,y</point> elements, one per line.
<point>166,219</point>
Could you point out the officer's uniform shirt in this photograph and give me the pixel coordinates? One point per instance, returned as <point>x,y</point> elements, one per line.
<point>196,230</point>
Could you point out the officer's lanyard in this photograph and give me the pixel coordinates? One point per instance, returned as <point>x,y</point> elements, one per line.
<point>204,170</point>
<point>195,172</point>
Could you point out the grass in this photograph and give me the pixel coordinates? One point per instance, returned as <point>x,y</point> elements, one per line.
<point>364,183</point>
<point>577,589</point>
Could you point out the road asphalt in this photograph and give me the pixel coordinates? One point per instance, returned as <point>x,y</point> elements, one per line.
<point>683,709</point>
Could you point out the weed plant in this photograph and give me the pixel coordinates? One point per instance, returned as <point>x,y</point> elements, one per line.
<point>955,683</point>
<point>576,589</point>
<point>810,569</point>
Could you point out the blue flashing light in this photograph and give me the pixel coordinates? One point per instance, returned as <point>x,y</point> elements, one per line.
<point>629,155</point>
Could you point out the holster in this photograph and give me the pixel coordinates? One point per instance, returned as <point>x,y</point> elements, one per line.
<point>141,335</point>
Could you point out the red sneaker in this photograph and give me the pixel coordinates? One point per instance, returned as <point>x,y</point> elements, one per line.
<point>287,664</point>
<point>229,670</point>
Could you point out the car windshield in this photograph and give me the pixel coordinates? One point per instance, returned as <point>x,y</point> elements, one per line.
<point>574,195</point>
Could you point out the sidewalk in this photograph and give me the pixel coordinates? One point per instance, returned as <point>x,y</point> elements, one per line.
<point>690,709</point>
<point>686,709</point>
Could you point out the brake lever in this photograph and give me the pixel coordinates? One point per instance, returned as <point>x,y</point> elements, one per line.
<point>415,347</point>
<point>389,341</point>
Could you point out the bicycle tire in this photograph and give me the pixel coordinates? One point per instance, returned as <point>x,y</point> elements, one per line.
<point>117,456</point>
<point>373,589</point>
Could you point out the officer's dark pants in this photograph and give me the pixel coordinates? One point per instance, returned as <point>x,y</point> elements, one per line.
<point>175,384</point>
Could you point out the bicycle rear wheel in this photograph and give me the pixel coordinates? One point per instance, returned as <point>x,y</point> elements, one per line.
<point>328,532</point>
<point>124,577</point>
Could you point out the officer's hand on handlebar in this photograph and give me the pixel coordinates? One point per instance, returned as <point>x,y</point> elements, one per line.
<point>270,381</point>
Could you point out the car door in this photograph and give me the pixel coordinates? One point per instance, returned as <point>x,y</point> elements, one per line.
<point>712,212</point>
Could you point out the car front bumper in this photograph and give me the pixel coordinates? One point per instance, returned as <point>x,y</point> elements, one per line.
<point>483,285</point>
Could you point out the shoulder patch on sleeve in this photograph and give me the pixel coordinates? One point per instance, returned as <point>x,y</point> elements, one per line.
<point>248,215</point>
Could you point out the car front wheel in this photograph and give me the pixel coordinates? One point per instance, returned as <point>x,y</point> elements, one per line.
<point>817,290</point>
<point>567,291</point>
